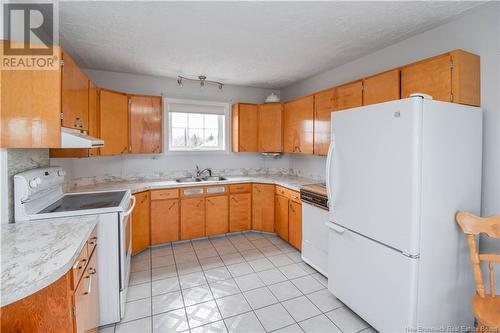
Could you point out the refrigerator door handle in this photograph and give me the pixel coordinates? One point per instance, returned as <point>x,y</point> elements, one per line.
<point>335,227</point>
<point>329,162</point>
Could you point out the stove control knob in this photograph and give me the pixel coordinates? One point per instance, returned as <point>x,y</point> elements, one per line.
<point>61,173</point>
<point>33,183</point>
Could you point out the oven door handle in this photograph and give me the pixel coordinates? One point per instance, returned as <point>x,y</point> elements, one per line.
<point>127,213</point>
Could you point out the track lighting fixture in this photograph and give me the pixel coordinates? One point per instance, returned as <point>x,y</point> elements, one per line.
<point>202,79</point>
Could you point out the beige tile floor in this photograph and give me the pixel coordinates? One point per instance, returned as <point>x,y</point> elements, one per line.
<point>240,282</point>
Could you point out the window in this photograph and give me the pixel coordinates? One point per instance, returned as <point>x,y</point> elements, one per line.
<point>196,126</point>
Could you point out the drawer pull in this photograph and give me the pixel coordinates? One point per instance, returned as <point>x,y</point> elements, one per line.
<point>234,199</point>
<point>193,191</point>
<point>216,189</point>
<point>93,241</point>
<point>80,264</point>
<point>199,203</point>
<point>172,205</point>
<point>89,289</point>
<point>92,271</point>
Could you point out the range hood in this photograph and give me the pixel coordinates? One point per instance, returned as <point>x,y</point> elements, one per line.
<point>72,138</point>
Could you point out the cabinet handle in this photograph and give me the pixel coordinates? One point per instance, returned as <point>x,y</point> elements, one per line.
<point>278,202</point>
<point>93,241</point>
<point>80,264</point>
<point>171,206</point>
<point>257,189</point>
<point>199,203</point>
<point>210,202</point>
<point>89,289</point>
<point>234,199</point>
<point>291,207</point>
<point>124,150</point>
<point>92,271</point>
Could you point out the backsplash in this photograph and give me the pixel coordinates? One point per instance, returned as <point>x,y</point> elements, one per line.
<point>19,160</point>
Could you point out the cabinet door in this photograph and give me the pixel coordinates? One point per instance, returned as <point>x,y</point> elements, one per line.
<point>217,214</point>
<point>295,224</point>
<point>382,87</point>
<point>431,76</point>
<point>270,133</point>
<point>324,105</point>
<point>164,221</point>
<point>75,95</point>
<point>245,120</point>
<point>192,218</point>
<point>263,207</point>
<point>113,121</point>
<point>145,124</point>
<point>281,216</point>
<point>86,299</point>
<point>298,126</point>
<point>349,95</point>
<point>140,222</point>
<point>240,212</point>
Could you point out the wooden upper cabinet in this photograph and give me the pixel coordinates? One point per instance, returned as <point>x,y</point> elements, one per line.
<point>146,123</point>
<point>30,107</point>
<point>349,95</point>
<point>192,218</point>
<point>382,87</point>
<point>113,120</point>
<point>244,130</point>
<point>263,207</point>
<point>240,212</point>
<point>140,222</point>
<point>324,105</point>
<point>217,215</point>
<point>75,95</point>
<point>298,126</point>
<point>164,220</point>
<point>270,127</point>
<point>295,224</point>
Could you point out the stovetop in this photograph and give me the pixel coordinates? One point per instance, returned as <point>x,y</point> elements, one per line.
<point>83,201</point>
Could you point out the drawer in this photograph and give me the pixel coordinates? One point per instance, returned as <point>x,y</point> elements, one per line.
<point>92,242</point>
<point>240,188</point>
<point>283,191</point>
<point>172,193</point>
<point>79,266</point>
<point>217,189</point>
<point>294,196</point>
<point>192,191</point>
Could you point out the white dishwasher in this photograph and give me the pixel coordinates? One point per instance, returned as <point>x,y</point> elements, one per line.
<point>314,230</point>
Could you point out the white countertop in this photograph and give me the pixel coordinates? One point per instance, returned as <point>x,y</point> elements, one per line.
<point>290,182</point>
<point>36,254</point>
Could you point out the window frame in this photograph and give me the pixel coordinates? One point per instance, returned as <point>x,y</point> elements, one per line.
<point>226,121</point>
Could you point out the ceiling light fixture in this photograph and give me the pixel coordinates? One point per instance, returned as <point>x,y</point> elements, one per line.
<point>202,79</point>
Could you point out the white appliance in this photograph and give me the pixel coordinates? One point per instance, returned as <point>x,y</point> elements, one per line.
<point>314,227</point>
<point>38,195</point>
<point>72,138</point>
<point>397,173</point>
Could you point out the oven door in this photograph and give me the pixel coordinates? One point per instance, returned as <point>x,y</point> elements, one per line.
<point>125,232</point>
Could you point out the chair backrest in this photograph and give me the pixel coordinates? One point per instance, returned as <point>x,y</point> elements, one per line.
<point>472,226</point>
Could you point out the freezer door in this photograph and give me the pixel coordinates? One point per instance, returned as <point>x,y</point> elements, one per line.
<point>374,172</point>
<point>376,282</point>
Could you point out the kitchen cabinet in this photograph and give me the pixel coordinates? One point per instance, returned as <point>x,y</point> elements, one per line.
<point>216,215</point>
<point>113,121</point>
<point>140,222</point>
<point>240,212</point>
<point>298,125</point>
<point>30,106</point>
<point>244,130</point>
<point>165,220</point>
<point>349,95</point>
<point>382,87</point>
<point>146,123</point>
<point>263,207</point>
<point>192,217</point>
<point>281,216</point>
<point>324,105</point>
<point>68,305</point>
<point>93,124</point>
<point>75,95</point>
<point>295,224</point>
<point>270,127</point>
<point>450,77</point>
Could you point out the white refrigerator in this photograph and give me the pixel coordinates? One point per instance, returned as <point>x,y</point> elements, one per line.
<point>397,172</point>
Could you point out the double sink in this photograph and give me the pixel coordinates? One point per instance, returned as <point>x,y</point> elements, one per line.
<point>199,179</point>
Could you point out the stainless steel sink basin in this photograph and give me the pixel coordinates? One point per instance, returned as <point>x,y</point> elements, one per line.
<point>188,180</point>
<point>213,178</point>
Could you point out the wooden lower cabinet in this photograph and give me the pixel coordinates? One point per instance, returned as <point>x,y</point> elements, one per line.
<point>295,224</point>
<point>217,215</point>
<point>140,223</point>
<point>68,305</point>
<point>281,216</point>
<point>164,221</point>
<point>263,207</point>
<point>240,212</point>
<point>192,218</point>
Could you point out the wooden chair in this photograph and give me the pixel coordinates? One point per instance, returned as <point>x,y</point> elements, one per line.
<point>486,308</point>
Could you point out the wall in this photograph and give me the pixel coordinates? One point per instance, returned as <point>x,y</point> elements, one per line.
<point>153,166</point>
<point>477,31</point>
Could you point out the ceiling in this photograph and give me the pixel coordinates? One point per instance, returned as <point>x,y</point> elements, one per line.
<point>260,44</point>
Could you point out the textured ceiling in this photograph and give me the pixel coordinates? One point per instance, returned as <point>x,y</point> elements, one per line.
<point>261,44</point>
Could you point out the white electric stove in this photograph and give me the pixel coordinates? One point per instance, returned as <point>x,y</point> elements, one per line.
<point>38,195</point>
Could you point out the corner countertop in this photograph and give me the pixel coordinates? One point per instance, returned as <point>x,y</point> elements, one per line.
<point>36,254</point>
<point>290,182</point>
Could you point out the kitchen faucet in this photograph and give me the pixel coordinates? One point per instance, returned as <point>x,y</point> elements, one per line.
<point>200,172</point>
